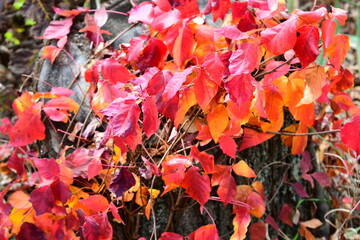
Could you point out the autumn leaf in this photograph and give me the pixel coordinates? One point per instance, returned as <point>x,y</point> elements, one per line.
<point>186,101</point>
<point>242,169</point>
<point>143,13</point>
<point>226,182</point>
<point>96,203</point>
<point>241,222</point>
<point>207,232</point>
<point>245,59</point>
<point>57,109</point>
<point>122,181</point>
<point>218,121</point>
<point>173,171</point>
<point>228,146</point>
<point>48,168</point>
<point>171,236</point>
<point>206,160</point>
<point>205,88</point>
<point>257,231</point>
<point>273,38</point>
<point>350,133</point>
<point>197,185</point>
<point>30,231</point>
<point>337,54</point>
<point>60,191</point>
<point>124,113</point>
<point>17,163</point>
<point>306,47</point>
<point>58,29</point>
<point>42,199</point>
<point>151,120</point>
<point>286,214</point>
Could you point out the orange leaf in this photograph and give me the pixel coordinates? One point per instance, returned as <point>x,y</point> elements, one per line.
<point>57,109</point>
<point>187,99</point>
<point>207,232</point>
<point>242,169</point>
<point>50,52</point>
<point>257,204</point>
<point>96,203</point>
<point>299,142</point>
<point>218,121</point>
<point>19,200</point>
<point>338,49</point>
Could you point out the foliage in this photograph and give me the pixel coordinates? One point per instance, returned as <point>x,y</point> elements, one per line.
<point>162,97</point>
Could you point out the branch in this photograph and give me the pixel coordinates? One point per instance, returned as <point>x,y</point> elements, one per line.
<point>273,70</point>
<point>258,129</point>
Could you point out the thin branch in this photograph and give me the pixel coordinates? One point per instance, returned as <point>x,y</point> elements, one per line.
<point>273,70</point>
<point>258,129</point>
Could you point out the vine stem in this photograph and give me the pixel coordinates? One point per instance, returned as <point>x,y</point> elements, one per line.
<point>273,70</point>
<point>290,133</point>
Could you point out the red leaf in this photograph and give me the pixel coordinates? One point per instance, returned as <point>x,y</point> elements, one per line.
<point>136,45</point>
<point>227,188</point>
<point>96,227</point>
<point>350,134</point>
<point>60,191</point>
<point>143,12</point>
<point>322,178</point>
<point>305,163</point>
<point>240,88</point>
<point>173,171</point>
<point>300,190</point>
<point>306,47</point>
<point>48,168</point>
<point>78,161</point>
<point>257,231</point>
<point>214,66</point>
<point>42,199</point>
<point>30,231</point>
<point>151,121</point>
<point>270,220</point>
<point>122,182</point>
<point>171,236</point>
<point>153,55</point>
<point>228,146</point>
<point>27,129</point>
<point>207,232</point>
<point>125,114</point>
<point>308,178</point>
<point>241,222</point>
<point>58,29</point>
<point>17,163</point>
<point>245,59</point>
<point>94,168</point>
<point>205,88</point>
<point>197,185</point>
<point>206,160</point>
<point>273,38</point>
<point>114,71</point>
<point>115,212</point>
<point>286,214</point>
<point>328,29</point>
<point>57,109</point>
<point>312,16</point>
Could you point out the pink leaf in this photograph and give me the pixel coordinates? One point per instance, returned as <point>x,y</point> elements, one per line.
<point>245,59</point>
<point>299,188</point>
<point>48,168</point>
<point>322,178</point>
<point>151,121</point>
<point>273,38</point>
<point>58,29</point>
<point>142,13</point>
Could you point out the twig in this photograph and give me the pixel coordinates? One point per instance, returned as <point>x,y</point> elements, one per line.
<point>273,70</point>
<point>290,133</point>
